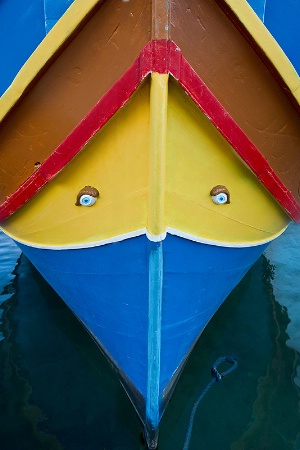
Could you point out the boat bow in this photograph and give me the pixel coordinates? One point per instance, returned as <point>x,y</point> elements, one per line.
<point>149,153</point>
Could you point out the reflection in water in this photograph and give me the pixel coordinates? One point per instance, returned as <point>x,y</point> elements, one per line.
<point>275,412</point>
<point>284,254</point>
<point>58,391</point>
<point>9,254</point>
<point>257,407</point>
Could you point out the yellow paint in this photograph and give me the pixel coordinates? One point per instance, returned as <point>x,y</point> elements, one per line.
<point>154,164</point>
<point>158,131</point>
<point>74,15</point>
<point>116,162</point>
<point>267,43</point>
<point>199,158</point>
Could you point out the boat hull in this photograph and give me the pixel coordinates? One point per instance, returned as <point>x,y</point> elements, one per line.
<point>145,303</point>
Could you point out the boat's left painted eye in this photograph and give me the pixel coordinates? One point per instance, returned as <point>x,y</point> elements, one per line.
<point>87,200</point>
<point>219,199</point>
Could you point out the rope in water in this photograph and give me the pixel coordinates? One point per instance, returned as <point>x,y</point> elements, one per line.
<point>216,376</point>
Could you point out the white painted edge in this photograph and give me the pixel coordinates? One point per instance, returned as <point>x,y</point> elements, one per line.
<point>119,238</point>
<point>152,238</point>
<point>201,240</point>
<point>156,237</point>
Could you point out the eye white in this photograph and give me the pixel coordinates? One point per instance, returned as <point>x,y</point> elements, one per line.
<point>219,199</point>
<point>87,200</point>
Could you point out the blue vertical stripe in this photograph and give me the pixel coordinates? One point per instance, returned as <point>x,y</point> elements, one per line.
<point>154,334</point>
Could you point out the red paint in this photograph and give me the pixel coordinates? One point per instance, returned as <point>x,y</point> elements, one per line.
<point>163,57</point>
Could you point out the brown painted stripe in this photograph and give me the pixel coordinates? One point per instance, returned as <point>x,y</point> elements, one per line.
<point>240,79</point>
<point>87,68</point>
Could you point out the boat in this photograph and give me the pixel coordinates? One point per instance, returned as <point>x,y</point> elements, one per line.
<point>149,155</point>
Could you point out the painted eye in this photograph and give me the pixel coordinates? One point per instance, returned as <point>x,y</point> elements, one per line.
<point>220,194</point>
<point>87,196</point>
<point>87,200</point>
<point>219,199</point>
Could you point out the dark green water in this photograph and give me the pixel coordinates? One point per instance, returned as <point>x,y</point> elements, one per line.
<point>57,391</point>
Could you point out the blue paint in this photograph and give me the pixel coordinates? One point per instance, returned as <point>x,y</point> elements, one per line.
<point>54,9</point>
<point>107,288</point>
<point>23,26</point>
<point>147,303</point>
<point>154,336</point>
<point>22,29</point>
<point>259,7</point>
<point>282,20</point>
<point>197,279</point>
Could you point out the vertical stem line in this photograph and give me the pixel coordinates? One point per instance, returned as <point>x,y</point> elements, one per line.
<point>158,135</point>
<point>156,232</point>
<point>160,19</point>
<point>154,342</point>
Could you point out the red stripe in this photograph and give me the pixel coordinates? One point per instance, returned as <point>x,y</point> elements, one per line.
<point>211,107</point>
<point>162,57</point>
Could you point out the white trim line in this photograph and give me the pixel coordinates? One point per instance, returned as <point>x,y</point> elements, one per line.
<point>156,237</point>
<point>191,237</point>
<point>119,238</point>
<point>152,238</point>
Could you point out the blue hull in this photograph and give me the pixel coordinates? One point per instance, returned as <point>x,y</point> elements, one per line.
<point>146,304</point>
